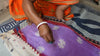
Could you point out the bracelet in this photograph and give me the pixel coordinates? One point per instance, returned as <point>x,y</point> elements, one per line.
<point>41,24</point>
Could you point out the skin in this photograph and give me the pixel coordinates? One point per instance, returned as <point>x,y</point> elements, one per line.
<point>96,0</point>
<point>60,11</point>
<point>44,30</point>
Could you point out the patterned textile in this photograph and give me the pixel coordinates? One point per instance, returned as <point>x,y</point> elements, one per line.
<point>16,46</point>
<point>91,30</point>
<point>67,42</point>
<point>9,25</point>
<point>16,10</point>
<point>87,24</point>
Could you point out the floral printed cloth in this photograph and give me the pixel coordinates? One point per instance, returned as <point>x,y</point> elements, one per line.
<point>67,43</point>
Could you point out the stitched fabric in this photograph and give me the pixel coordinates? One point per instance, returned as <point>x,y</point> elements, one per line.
<point>16,46</point>
<point>87,24</point>
<point>9,25</point>
<point>67,42</point>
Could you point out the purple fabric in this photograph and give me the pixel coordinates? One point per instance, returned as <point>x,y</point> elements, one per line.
<point>67,43</point>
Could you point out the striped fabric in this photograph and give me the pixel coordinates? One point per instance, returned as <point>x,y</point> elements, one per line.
<point>8,25</point>
<point>87,24</point>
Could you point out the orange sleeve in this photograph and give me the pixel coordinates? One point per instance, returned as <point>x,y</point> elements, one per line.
<point>16,10</point>
<point>64,2</point>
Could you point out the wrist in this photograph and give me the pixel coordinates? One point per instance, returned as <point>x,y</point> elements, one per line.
<point>38,22</point>
<point>41,23</point>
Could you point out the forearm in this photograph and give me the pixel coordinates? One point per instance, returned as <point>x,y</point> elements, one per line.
<point>30,11</point>
<point>60,11</point>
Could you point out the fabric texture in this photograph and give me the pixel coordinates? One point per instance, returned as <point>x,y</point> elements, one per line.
<point>87,24</point>
<point>9,25</point>
<point>83,15</point>
<point>16,46</point>
<point>16,10</point>
<point>67,42</point>
<point>64,2</point>
<point>73,43</point>
<point>77,24</point>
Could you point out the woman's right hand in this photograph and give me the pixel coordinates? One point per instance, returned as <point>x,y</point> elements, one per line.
<point>33,16</point>
<point>46,33</point>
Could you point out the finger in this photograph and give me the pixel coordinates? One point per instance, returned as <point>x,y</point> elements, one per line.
<point>45,38</point>
<point>50,37</point>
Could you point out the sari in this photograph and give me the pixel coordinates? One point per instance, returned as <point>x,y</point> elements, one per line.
<point>67,41</point>
<point>46,7</point>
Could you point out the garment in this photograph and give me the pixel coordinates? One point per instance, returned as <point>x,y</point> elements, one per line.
<point>46,7</point>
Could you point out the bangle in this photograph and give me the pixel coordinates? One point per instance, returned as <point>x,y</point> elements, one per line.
<point>41,24</point>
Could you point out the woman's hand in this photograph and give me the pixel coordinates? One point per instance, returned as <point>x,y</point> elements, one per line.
<point>46,33</point>
<point>60,11</point>
<point>33,16</point>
